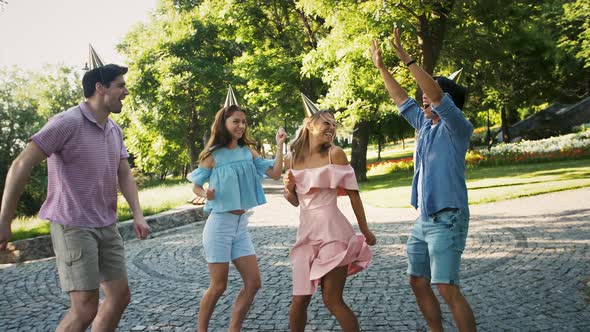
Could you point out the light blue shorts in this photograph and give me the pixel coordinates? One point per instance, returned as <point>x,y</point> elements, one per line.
<point>435,246</point>
<point>226,237</point>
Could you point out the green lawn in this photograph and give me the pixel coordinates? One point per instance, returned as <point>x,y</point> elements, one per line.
<point>156,198</point>
<point>390,151</point>
<point>487,184</point>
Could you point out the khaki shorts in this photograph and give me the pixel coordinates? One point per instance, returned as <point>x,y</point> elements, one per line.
<point>87,256</point>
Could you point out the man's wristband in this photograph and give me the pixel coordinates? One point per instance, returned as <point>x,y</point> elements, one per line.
<point>409,63</point>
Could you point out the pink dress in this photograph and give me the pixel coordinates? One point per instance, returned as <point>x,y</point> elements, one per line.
<point>325,238</point>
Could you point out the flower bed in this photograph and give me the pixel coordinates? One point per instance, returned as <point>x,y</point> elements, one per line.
<point>572,146</point>
<point>388,166</point>
<point>554,148</point>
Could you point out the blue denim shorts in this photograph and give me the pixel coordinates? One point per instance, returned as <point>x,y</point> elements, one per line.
<point>435,246</point>
<point>226,237</point>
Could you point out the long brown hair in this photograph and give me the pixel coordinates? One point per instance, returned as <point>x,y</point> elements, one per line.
<point>301,143</point>
<point>220,136</point>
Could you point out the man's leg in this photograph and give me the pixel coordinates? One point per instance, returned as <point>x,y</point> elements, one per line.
<point>114,282</point>
<point>117,297</point>
<point>462,313</point>
<point>76,252</point>
<point>427,302</point>
<point>446,240</point>
<point>84,305</point>
<point>419,271</point>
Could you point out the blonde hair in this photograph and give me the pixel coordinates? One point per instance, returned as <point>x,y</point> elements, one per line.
<point>300,145</point>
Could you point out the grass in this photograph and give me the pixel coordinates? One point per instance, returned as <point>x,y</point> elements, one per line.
<point>156,197</point>
<point>390,151</point>
<point>487,184</point>
<point>27,227</point>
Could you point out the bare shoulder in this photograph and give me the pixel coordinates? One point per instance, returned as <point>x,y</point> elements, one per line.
<point>338,156</point>
<point>207,162</point>
<point>255,153</point>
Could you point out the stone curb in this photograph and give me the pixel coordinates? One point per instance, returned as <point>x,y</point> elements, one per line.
<point>40,247</point>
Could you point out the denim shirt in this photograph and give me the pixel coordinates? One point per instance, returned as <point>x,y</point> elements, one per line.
<point>439,159</point>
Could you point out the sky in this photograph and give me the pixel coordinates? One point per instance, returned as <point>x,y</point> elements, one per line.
<point>38,32</point>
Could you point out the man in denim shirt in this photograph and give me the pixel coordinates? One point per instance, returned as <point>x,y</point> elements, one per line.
<point>439,191</point>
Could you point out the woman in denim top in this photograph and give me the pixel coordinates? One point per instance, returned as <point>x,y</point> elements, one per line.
<point>234,172</point>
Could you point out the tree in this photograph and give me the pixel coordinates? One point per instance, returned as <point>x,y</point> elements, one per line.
<point>341,56</point>
<point>27,101</point>
<point>574,39</point>
<point>509,53</point>
<point>272,37</point>
<point>178,77</point>
<point>389,126</point>
<point>55,88</point>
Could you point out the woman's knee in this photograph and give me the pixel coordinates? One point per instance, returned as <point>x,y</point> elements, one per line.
<point>301,300</point>
<point>253,286</point>
<point>218,288</point>
<point>332,300</point>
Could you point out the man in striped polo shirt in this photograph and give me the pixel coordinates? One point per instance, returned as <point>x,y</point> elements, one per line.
<point>86,159</point>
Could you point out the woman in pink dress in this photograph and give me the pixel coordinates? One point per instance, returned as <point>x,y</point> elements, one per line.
<point>327,249</point>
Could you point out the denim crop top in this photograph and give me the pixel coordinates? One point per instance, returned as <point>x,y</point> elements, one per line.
<point>236,178</point>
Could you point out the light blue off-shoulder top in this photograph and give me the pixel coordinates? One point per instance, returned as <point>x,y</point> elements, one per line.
<point>236,178</point>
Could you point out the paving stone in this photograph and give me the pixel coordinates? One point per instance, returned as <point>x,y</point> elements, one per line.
<point>522,270</point>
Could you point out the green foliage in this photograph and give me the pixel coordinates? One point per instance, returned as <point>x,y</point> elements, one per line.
<point>182,61</point>
<point>354,85</point>
<point>575,23</point>
<point>178,76</point>
<point>27,100</point>
<point>273,37</point>
<point>55,89</point>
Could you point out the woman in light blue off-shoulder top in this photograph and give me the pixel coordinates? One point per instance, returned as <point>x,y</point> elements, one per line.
<point>234,172</point>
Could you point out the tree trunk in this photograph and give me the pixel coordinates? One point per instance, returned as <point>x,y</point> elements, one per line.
<point>260,149</point>
<point>311,38</point>
<point>380,142</point>
<point>360,141</point>
<point>431,34</point>
<point>192,139</point>
<point>505,125</point>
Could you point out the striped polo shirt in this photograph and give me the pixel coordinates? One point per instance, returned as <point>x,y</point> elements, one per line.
<point>83,160</point>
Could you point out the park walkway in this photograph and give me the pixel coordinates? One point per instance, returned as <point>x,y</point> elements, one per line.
<point>523,268</point>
